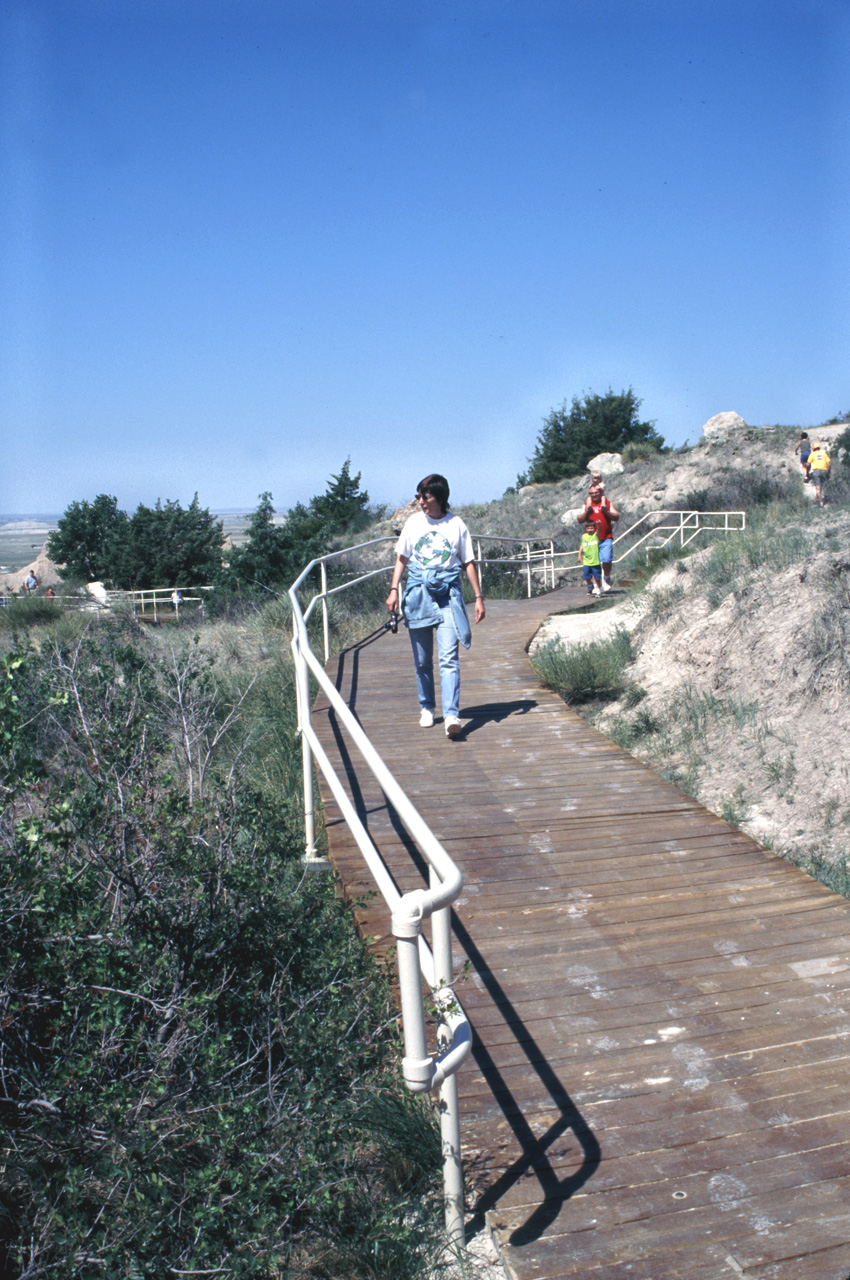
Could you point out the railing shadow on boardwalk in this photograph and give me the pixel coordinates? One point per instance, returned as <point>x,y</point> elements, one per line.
<point>555,1191</point>
<point>535,1158</point>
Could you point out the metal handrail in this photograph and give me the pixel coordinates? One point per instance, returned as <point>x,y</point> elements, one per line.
<point>158,598</point>
<point>690,523</point>
<point>686,521</point>
<point>422,1071</point>
<point>546,553</point>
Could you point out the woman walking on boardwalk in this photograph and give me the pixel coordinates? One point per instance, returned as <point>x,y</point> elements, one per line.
<point>434,547</point>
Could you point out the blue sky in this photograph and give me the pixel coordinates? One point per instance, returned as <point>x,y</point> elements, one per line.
<point>245,239</point>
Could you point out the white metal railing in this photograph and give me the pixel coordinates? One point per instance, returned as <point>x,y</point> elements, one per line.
<point>158,601</point>
<point>684,525</point>
<point>422,1071</point>
<point>161,602</point>
<point>538,551</point>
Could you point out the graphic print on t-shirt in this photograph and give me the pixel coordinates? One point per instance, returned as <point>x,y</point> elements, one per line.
<point>433,549</point>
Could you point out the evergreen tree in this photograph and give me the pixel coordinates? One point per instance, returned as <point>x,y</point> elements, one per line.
<point>275,554</point>
<point>165,546</point>
<point>343,506</point>
<point>595,424</point>
<point>85,537</point>
<point>159,546</point>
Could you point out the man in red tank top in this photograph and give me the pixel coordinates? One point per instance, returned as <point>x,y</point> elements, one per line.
<point>601,510</point>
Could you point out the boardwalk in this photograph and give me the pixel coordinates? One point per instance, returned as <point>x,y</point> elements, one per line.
<point>661,1070</point>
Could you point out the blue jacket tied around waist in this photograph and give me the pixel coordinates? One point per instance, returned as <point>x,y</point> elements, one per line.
<point>427,591</point>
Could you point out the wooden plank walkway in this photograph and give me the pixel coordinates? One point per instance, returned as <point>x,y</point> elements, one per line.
<point>661,1075</point>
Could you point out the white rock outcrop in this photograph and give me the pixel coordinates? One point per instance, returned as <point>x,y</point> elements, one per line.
<point>399,517</point>
<point>571,517</point>
<point>608,464</point>
<point>722,426</point>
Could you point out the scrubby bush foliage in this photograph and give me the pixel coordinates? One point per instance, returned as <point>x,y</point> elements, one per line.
<point>739,490</point>
<point>29,611</point>
<point>594,424</point>
<point>582,672</point>
<point>193,1042</point>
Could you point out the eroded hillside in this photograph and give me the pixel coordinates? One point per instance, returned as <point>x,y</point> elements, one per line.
<point>740,686</point>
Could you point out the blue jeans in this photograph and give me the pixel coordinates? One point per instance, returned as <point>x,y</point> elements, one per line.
<point>422,640</point>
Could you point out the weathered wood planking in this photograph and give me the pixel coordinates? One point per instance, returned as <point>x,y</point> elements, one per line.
<point>661,1007</point>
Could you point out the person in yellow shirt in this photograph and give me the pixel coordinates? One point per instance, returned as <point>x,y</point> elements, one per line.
<point>588,558</point>
<point>819,469</point>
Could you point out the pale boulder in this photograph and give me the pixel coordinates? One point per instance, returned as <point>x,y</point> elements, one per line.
<point>722,426</point>
<point>607,464</point>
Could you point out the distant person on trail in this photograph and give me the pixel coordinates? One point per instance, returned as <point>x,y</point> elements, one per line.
<point>819,469</point>
<point>804,448</point>
<point>588,557</point>
<point>605,515</point>
<point>30,582</point>
<point>434,546</point>
<point>50,593</point>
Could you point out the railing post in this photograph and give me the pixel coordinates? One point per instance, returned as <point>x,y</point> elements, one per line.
<point>452,1164</point>
<point>441,947</point>
<point>324,579</point>
<point>407,925</point>
<point>480,563</point>
<point>528,566</point>
<point>302,698</point>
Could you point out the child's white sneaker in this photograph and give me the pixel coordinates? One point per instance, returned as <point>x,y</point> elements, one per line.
<point>426,719</point>
<point>453,726</point>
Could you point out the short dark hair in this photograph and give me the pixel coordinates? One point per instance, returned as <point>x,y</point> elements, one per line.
<point>438,487</point>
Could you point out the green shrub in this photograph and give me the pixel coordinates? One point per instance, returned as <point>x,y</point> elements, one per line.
<point>29,611</point>
<point>581,672</point>
<point>734,811</point>
<point>192,1035</point>
<point>835,875</point>
<point>641,450</point>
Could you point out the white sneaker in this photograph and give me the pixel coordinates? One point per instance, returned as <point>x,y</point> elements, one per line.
<point>606,585</point>
<point>596,592</point>
<point>453,726</point>
<point>426,719</point>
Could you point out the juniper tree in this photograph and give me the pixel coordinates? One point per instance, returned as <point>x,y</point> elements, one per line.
<point>594,424</point>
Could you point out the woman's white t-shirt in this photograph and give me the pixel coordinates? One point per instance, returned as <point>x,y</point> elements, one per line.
<point>444,543</point>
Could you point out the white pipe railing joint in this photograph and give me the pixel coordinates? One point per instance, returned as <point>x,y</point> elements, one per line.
<point>408,915</point>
